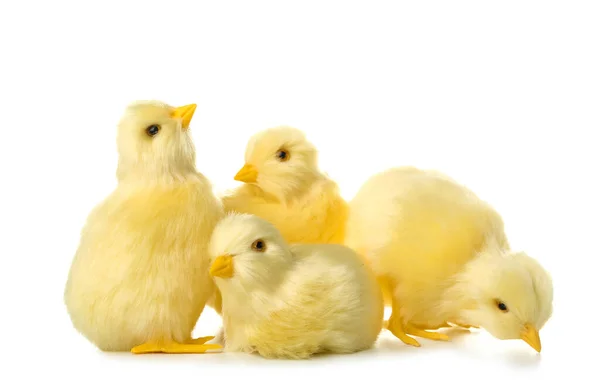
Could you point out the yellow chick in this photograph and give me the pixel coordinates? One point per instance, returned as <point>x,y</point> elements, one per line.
<point>283,185</point>
<point>291,301</point>
<point>442,257</point>
<point>139,279</point>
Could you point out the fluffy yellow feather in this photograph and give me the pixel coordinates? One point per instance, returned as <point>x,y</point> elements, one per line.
<point>283,185</point>
<point>442,256</point>
<point>139,279</point>
<point>292,301</point>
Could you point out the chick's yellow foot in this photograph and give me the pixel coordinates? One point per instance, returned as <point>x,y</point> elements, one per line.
<point>426,334</point>
<point>174,348</point>
<point>201,340</point>
<point>467,326</point>
<point>423,327</point>
<point>396,328</point>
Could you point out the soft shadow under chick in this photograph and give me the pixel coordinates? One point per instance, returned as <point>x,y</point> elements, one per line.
<point>442,257</point>
<point>293,301</point>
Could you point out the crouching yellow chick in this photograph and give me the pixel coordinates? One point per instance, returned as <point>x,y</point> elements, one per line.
<point>442,257</point>
<point>284,301</point>
<point>139,279</point>
<point>283,185</point>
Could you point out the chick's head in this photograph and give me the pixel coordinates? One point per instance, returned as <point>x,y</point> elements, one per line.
<point>248,252</point>
<point>513,295</point>
<point>153,141</point>
<point>280,161</point>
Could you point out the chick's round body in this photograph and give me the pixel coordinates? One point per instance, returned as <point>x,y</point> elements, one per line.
<point>326,300</point>
<point>418,229</point>
<point>317,216</point>
<point>141,271</point>
<point>139,277</point>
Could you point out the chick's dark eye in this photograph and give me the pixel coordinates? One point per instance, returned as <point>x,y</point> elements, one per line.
<point>259,246</point>
<point>283,155</point>
<point>152,130</point>
<point>502,306</point>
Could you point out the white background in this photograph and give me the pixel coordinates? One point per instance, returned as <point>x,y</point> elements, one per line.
<point>502,95</point>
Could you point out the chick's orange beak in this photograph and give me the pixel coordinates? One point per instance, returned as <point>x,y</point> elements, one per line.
<point>185,113</point>
<point>532,337</point>
<point>247,174</point>
<point>222,266</point>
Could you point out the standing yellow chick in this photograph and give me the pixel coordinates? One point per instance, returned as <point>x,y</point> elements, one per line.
<point>139,280</point>
<point>293,301</point>
<point>284,186</point>
<point>442,256</point>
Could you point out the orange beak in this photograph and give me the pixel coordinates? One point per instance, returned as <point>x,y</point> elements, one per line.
<point>185,113</point>
<point>247,174</point>
<point>222,267</point>
<point>532,337</point>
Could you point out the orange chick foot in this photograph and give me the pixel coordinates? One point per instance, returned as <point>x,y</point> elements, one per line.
<point>202,339</point>
<point>395,327</point>
<point>467,326</point>
<point>426,334</point>
<point>174,348</point>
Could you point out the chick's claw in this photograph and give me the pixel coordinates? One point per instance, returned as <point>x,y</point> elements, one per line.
<point>174,348</point>
<point>191,348</point>
<point>395,327</point>
<point>426,334</point>
<point>201,340</point>
<point>467,326</point>
<point>147,348</point>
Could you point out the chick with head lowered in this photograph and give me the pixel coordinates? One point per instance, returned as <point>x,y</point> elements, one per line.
<point>442,257</point>
<point>291,301</point>
<point>283,185</point>
<point>139,279</point>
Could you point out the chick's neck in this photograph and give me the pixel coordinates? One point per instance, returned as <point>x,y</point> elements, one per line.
<point>465,289</point>
<point>245,305</point>
<point>155,174</point>
<point>255,299</point>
